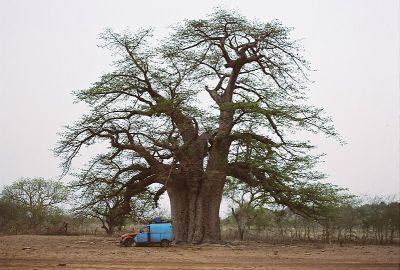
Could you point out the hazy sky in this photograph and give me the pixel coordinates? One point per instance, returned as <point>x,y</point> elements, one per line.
<point>49,48</point>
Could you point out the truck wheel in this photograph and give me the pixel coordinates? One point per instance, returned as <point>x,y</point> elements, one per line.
<point>165,243</point>
<point>128,242</point>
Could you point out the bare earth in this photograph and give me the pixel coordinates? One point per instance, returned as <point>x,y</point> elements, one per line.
<point>90,252</point>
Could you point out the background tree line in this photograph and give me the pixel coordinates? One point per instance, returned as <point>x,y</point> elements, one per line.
<point>40,206</point>
<point>349,219</point>
<point>44,206</point>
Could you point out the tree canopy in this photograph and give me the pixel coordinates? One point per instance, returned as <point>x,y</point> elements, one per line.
<point>37,196</point>
<point>221,96</point>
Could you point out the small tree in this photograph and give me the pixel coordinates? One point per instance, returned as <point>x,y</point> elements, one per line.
<point>244,200</point>
<point>38,196</point>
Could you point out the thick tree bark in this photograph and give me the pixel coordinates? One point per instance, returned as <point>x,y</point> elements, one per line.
<point>179,210</point>
<point>195,215</point>
<point>207,222</point>
<point>195,197</point>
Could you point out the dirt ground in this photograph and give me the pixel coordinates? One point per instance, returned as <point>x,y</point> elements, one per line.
<point>90,252</point>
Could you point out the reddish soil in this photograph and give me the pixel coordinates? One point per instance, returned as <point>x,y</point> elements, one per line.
<point>91,252</point>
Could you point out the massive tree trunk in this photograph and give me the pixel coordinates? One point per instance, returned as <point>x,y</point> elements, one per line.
<point>195,196</point>
<point>207,221</point>
<point>195,216</point>
<point>177,192</point>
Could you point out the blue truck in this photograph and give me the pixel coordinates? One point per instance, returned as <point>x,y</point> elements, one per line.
<point>156,233</point>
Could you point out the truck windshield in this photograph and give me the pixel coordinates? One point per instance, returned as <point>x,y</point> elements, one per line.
<point>144,230</point>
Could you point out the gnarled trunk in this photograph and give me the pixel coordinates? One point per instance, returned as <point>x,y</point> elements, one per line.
<point>195,197</point>
<point>178,197</point>
<point>207,221</point>
<point>195,215</point>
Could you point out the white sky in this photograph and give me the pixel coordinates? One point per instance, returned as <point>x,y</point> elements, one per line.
<point>49,48</point>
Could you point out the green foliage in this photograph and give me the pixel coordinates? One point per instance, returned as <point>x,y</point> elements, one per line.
<point>13,217</point>
<point>36,192</point>
<point>38,198</point>
<point>32,205</point>
<point>314,201</point>
<point>311,199</point>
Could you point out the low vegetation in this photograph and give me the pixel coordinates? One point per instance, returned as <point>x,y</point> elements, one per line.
<point>376,222</point>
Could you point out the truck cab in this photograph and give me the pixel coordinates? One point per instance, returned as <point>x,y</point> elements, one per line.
<point>156,233</point>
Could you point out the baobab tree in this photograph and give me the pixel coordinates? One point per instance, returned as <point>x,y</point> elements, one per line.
<point>221,96</point>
